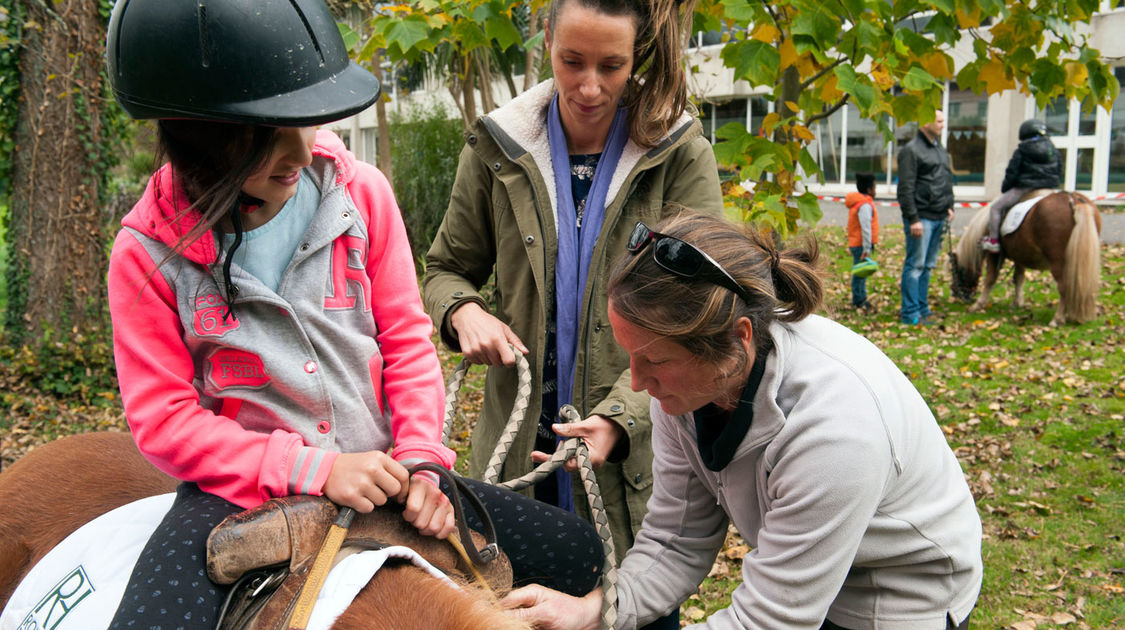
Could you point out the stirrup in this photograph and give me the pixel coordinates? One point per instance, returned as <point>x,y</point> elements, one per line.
<point>990,245</point>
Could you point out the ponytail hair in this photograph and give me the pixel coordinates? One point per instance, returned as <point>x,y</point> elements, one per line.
<point>656,95</point>
<point>784,285</point>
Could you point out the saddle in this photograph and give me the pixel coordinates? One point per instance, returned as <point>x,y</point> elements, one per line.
<point>267,552</point>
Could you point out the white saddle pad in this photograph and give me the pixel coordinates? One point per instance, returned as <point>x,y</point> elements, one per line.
<point>78,584</point>
<point>1015,216</point>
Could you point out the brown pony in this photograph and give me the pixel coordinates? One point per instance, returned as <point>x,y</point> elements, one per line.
<point>1060,233</point>
<point>59,486</point>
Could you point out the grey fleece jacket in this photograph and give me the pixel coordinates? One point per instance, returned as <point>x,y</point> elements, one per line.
<point>845,489</point>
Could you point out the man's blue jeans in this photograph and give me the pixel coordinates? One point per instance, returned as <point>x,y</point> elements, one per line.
<point>921,257</point>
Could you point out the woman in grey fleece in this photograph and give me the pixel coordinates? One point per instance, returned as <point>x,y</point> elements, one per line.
<point>799,431</point>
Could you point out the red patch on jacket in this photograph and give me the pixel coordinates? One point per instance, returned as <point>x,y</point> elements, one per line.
<point>210,316</point>
<point>235,368</point>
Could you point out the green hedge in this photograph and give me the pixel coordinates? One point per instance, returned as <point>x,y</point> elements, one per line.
<point>425,145</point>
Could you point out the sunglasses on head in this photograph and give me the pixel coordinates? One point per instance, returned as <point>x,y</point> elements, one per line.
<point>683,259</point>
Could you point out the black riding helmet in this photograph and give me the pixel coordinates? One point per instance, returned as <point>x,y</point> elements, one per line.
<point>1032,128</point>
<point>262,62</point>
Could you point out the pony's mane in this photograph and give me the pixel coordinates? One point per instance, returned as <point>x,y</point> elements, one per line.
<point>969,252</point>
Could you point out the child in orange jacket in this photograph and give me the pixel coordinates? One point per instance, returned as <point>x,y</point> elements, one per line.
<point>863,233</point>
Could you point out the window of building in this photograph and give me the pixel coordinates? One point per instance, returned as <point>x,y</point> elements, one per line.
<point>903,133</point>
<point>865,150</point>
<point>370,144</point>
<point>966,119</point>
<point>733,111</point>
<point>1117,138</point>
<point>826,148</point>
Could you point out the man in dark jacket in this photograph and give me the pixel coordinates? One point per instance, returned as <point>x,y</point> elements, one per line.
<point>1035,164</point>
<point>925,194</point>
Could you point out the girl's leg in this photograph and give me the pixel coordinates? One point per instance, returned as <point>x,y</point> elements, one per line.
<point>169,587</point>
<point>545,544</point>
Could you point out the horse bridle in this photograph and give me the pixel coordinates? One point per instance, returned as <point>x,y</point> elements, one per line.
<point>264,582</point>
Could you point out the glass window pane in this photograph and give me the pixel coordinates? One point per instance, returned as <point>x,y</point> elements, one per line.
<point>1085,169</point>
<point>826,148</point>
<point>759,107</point>
<point>1056,116</point>
<point>730,112</point>
<point>1087,122</point>
<point>965,122</point>
<point>1117,138</point>
<point>903,134</point>
<point>867,151</point>
<point>370,143</point>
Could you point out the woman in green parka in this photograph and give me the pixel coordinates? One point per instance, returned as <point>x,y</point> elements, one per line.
<point>548,188</point>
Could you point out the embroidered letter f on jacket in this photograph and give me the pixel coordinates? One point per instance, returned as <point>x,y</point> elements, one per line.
<point>349,279</point>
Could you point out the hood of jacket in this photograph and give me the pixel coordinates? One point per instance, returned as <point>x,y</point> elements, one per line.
<point>520,127</point>
<point>163,211</point>
<point>855,198</point>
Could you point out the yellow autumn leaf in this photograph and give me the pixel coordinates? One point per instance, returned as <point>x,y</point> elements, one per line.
<point>830,93</point>
<point>994,77</point>
<point>969,18</point>
<point>881,77</point>
<point>770,121</point>
<point>803,133</point>
<point>937,64</point>
<point>788,54</point>
<point>765,33</point>
<point>1076,73</point>
<point>806,65</point>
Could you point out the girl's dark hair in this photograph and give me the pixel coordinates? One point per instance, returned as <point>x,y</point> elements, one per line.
<point>656,95</point>
<point>699,315</point>
<point>211,161</point>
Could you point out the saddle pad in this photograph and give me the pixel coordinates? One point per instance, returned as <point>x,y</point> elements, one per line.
<point>1015,216</point>
<point>78,584</point>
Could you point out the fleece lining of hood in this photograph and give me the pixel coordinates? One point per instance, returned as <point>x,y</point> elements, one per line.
<point>524,120</point>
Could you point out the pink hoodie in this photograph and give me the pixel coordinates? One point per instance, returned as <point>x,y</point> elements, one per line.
<point>339,359</point>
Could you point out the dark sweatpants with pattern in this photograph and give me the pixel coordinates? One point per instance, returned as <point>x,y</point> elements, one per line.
<point>169,587</point>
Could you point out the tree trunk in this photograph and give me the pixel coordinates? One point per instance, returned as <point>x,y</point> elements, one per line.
<point>531,58</point>
<point>58,232</point>
<point>383,139</point>
<point>484,80</point>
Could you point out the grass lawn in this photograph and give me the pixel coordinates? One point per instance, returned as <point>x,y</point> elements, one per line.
<point>1035,414</point>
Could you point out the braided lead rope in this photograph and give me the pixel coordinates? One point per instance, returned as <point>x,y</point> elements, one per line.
<point>523,393</point>
<point>451,389</point>
<point>572,447</point>
<point>575,447</point>
<point>515,419</point>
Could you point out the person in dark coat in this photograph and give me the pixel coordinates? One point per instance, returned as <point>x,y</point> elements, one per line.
<point>1036,163</point>
<point>925,195</point>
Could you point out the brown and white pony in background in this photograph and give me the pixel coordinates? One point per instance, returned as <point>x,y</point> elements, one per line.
<point>1060,233</point>
<point>60,486</point>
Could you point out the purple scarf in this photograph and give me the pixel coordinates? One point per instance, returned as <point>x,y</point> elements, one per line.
<point>576,247</point>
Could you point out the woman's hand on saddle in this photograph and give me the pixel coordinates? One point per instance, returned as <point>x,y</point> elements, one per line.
<point>547,609</point>
<point>599,433</point>
<point>365,480</point>
<point>484,339</point>
<point>428,509</point>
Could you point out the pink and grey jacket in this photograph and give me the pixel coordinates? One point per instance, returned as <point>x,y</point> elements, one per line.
<point>339,359</point>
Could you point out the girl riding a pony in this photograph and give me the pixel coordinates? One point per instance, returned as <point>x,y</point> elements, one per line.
<point>1036,163</point>
<point>268,330</point>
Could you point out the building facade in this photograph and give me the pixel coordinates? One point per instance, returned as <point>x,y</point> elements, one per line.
<point>980,131</point>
